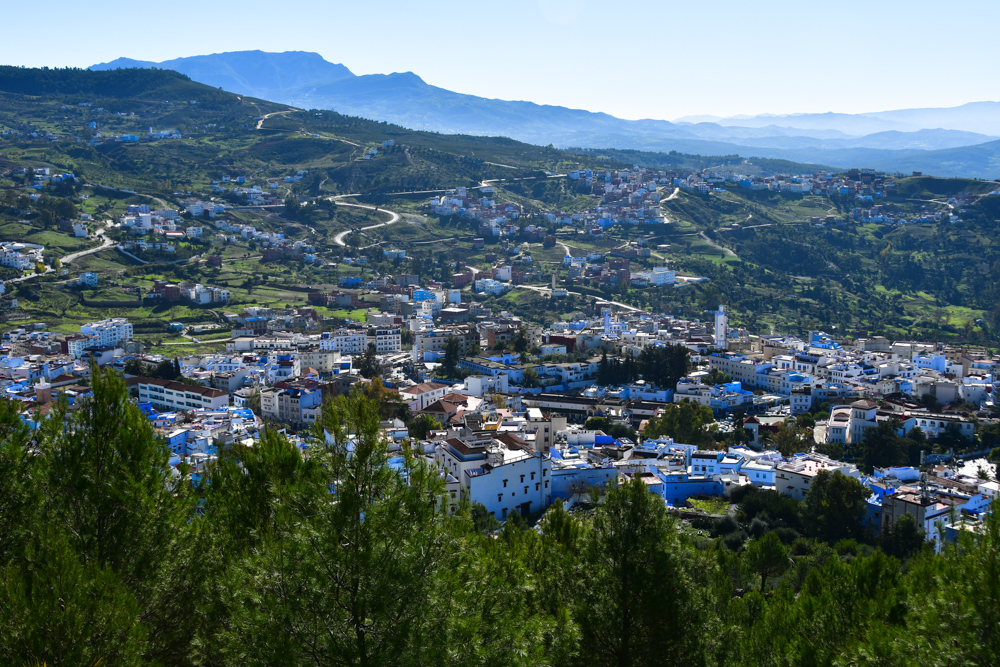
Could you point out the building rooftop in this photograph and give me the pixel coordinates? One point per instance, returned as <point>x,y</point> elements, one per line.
<point>177,386</point>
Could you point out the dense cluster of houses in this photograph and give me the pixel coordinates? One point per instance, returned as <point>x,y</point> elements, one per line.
<point>821,370</point>
<point>22,256</point>
<point>512,398</point>
<point>878,214</point>
<point>866,186</point>
<point>253,194</point>
<point>627,197</point>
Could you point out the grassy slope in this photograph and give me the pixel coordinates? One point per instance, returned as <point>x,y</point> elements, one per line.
<point>780,271</point>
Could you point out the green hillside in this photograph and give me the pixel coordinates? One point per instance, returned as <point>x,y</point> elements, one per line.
<point>120,84</point>
<point>934,280</point>
<point>929,186</point>
<point>755,166</point>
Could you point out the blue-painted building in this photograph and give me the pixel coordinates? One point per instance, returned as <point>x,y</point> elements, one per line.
<point>679,486</point>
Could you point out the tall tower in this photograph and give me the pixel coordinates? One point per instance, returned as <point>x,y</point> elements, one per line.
<point>721,327</point>
<point>607,323</point>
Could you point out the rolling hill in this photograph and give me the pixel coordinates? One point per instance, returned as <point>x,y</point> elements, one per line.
<point>885,140</point>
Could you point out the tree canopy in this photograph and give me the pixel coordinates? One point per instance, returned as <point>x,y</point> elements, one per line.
<point>346,553</point>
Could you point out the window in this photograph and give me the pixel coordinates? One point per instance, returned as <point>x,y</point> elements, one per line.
<point>525,490</point>
<point>522,479</point>
<point>546,484</point>
<point>505,512</point>
<point>532,476</point>
<point>499,497</point>
<point>536,486</point>
<point>505,484</point>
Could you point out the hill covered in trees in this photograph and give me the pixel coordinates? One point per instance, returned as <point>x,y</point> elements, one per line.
<point>120,83</point>
<point>343,554</point>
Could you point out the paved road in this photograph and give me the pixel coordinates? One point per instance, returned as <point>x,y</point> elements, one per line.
<point>339,238</point>
<point>549,290</point>
<point>30,276</point>
<point>105,243</point>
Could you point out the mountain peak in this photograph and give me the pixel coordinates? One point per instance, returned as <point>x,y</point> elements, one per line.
<point>122,63</point>
<point>407,78</point>
<point>255,73</point>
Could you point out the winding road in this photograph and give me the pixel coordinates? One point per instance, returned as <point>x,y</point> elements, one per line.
<point>339,238</point>
<point>105,243</point>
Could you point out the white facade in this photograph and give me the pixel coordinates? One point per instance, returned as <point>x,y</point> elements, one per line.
<point>108,332</point>
<point>16,260</point>
<point>345,341</point>
<point>517,480</point>
<point>76,345</point>
<point>175,396</point>
<point>419,396</point>
<point>490,286</point>
<point>388,340</point>
<point>933,425</point>
<point>479,385</point>
<point>795,477</point>
<point>501,477</point>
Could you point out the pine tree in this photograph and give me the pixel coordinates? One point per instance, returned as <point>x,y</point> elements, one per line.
<point>353,583</point>
<point>639,605</point>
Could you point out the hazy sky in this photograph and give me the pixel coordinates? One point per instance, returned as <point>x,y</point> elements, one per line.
<point>655,59</point>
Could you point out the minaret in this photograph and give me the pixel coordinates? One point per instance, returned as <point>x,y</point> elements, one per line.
<point>721,327</point>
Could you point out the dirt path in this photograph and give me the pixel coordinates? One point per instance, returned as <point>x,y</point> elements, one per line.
<point>260,123</point>
<point>727,251</point>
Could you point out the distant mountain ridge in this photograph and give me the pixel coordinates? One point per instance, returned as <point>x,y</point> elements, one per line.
<point>255,73</point>
<point>880,140</point>
<point>975,117</point>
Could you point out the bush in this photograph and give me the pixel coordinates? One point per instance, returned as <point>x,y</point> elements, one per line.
<point>757,528</point>
<point>787,535</point>
<point>803,546</point>
<point>734,541</point>
<point>846,548</point>
<point>703,523</point>
<point>740,493</point>
<point>725,526</point>
<point>780,509</point>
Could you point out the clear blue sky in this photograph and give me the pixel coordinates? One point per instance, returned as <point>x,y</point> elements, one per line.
<point>632,59</point>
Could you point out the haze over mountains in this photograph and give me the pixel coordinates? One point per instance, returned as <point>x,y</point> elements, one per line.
<point>957,141</point>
